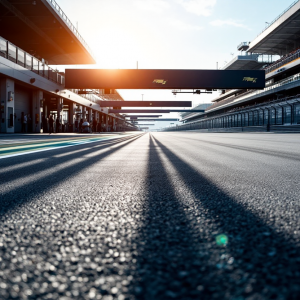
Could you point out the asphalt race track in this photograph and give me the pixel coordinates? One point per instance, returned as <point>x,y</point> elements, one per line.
<point>153,216</point>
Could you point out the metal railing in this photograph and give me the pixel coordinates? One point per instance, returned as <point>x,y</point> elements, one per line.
<point>270,24</point>
<point>67,21</point>
<point>24,59</point>
<point>283,62</point>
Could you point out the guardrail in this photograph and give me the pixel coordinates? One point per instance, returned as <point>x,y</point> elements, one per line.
<point>283,62</point>
<point>24,59</point>
<point>67,21</point>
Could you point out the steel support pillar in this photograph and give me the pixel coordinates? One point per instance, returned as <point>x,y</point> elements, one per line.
<point>84,113</point>
<point>8,116</point>
<point>37,110</point>
<point>72,116</point>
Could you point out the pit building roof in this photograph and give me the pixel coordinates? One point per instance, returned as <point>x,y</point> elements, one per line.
<point>42,29</point>
<point>282,34</point>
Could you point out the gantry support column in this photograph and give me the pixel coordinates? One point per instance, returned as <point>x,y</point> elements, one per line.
<point>114,128</point>
<point>90,112</point>
<point>59,107</point>
<point>100,126</point>
<point>37,110</point>
<point>8,117</point>
<point>83,113</point>
<point>106,122</point>
<point>96,116</point>
<point>72,108</point>
<point>46,116</point>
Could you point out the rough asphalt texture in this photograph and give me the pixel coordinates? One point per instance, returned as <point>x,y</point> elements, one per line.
<point>138,217</point>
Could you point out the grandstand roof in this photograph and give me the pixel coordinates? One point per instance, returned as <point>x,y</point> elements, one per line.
<point>244,62</point>
<point>282,35</point>
<point>42,29</point>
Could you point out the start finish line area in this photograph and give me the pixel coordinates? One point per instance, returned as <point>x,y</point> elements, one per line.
<point>15,145</point>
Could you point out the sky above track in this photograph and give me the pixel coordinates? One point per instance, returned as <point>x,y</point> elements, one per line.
<point>168,34</point>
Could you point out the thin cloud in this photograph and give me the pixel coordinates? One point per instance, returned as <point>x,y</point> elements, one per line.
<point>178,24</point>
<point>198,7</point>
<point>157,6</point>
<point>229,22</point>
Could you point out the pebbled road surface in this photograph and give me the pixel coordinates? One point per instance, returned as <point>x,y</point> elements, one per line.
<point>153,216</point>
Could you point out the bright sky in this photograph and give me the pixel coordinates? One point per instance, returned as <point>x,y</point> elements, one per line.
<point>168,34</point>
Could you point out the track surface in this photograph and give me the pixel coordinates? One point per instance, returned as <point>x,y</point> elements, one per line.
<point>137,218</point>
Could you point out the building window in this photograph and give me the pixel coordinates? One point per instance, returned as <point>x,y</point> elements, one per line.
<point>28,61</point>
<point>261,118</point>
<point>266,117</point>
<point>250,118</point>
<point>287,115</point>
<point>239,117</point>
<point>273,116</point>
<point>297,113</point>
<point>279,116</point>
<point>255,118</point>
<point>3,47</point>
<point>35,65</point>
<point>12,52</point>
<point>21,57</point>
<point>246,119</point>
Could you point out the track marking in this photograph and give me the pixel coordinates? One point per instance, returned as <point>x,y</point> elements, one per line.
<point>17,150</point>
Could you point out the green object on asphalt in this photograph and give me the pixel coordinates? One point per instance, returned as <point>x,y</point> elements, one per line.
<point>222,240</point>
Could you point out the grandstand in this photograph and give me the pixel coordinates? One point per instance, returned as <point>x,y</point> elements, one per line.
<point>276,107</point>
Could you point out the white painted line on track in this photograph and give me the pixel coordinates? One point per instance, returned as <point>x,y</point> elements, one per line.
<point>30,152</point>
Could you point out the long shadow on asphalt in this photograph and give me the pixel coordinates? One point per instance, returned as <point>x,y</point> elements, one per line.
<point>176,261</point>
<point>25,193</point>
<point>22,172</point>
<point>165,247</point>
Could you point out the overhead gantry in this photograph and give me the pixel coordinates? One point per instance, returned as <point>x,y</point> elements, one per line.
<point>152,111</point>
<point>146,103</point>
<point>164,79</point>
<point>208,80</point>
